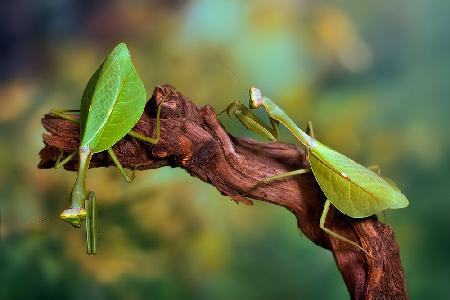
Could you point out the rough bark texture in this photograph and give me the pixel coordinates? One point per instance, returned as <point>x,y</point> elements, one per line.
<point>193,139</point>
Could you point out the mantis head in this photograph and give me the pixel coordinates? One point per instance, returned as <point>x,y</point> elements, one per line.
<point>255,97</point>
<point>74,216</point>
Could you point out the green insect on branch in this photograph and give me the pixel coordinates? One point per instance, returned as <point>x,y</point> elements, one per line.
<point>355,190</point>
<point>112,103</point>
<point>193,139</point>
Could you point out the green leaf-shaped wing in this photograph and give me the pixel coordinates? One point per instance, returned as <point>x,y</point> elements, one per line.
<point>86,99</point>
<point>112,102</point>
<point>353,189</point>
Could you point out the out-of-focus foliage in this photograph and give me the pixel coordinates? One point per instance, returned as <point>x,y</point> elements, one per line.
<point>371,75</point>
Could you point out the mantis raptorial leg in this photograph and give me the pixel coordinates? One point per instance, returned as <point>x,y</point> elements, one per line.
<point>252,122</point>
<point>76,214</point>
<point>91,223</point>
<point>82,203</point>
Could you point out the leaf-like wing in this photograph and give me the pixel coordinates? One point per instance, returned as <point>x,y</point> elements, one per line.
<point>114,100</point>
<point>353,189</point>
<point>86,99</point>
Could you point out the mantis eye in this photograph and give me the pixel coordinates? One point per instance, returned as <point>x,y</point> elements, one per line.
<point>255,97</point>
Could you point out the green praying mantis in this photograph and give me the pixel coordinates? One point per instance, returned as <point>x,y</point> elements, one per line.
<point>111,105</point>
<point>352,188</point>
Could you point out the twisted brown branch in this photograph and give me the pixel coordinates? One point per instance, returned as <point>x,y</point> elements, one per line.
<point>193,139</point>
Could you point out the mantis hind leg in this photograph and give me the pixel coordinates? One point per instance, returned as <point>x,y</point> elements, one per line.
<point>119,166</point>
<point>323,217</point>
<point>60,163</point>
<point>91,223</point>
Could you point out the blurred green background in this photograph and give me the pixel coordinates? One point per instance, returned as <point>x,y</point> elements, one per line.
<point>372,75</point>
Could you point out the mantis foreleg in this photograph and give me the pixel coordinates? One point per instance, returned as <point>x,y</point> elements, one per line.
<point>82,203</point>
<point>91,223</point>
<point>253,122</point>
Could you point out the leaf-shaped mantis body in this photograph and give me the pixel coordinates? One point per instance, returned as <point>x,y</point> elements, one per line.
<point>113,101</point>
<point>352,188</point>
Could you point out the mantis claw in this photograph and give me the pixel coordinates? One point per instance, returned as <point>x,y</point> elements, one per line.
<point>251,121</point>
<point>231,107</point>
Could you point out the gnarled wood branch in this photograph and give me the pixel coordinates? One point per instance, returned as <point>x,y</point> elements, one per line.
<point>193,139</point>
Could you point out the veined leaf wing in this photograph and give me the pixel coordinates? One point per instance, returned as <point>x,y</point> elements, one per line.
<point>352,188</point>
<point>117,101</point>
<point>86,99</point>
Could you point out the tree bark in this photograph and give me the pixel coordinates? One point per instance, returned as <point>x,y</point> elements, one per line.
<point>193,139</point>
